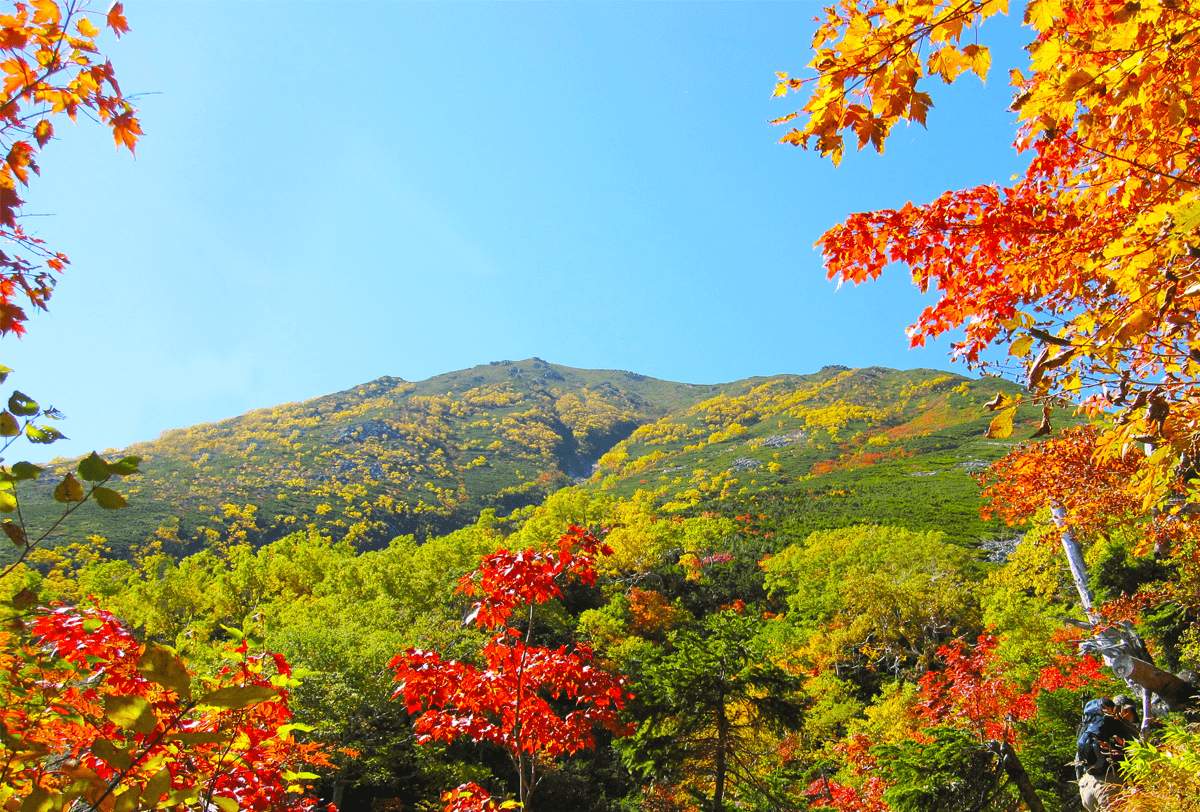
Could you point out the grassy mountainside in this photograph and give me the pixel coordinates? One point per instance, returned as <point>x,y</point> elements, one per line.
<point>383,459</point>
<point>844,446</point>
<point>391,457</point>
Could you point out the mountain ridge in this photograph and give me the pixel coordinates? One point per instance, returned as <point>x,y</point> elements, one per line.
<point>391,457</point>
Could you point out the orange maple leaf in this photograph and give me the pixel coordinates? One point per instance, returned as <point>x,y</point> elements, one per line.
<point>116,19</point>
<point>126,130</point>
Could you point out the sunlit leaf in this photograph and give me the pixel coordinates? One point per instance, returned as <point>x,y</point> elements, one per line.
<point>238,696</point>
<point>124,466</point>
<point>1002,424</point>
<point>69,490</point>
<point>130,712</point>
<point>109,499</point>
<point>161,666</point>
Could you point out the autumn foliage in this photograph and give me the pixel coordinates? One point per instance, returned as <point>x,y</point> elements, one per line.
<point>973,693</point>
<point>90,714</point>
<point>510,699</point>
<point>49,64</point>
<point>1096,493</point>
<point>1086,265</point>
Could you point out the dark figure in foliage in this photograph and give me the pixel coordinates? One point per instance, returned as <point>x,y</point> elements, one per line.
<point>1107,725</point>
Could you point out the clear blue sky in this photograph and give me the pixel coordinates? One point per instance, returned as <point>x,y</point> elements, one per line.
<point>328,193</point>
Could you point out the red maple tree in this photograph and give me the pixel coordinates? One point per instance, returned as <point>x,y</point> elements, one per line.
<point>507,700</point>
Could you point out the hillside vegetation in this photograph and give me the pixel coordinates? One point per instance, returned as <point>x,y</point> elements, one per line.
<point>392,458</point>
<point>799,589</point>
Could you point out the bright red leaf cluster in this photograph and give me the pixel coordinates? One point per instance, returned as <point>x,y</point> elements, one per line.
<point>507,700</point>
<point>472,798</point>
<point>971,695</point>
<point>507,580</point>
<point>868,797</point>
<point>974,694</point>
<point>90,715</point>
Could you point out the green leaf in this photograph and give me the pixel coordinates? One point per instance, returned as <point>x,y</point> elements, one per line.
<point>26,470</point>
<point>163,667</point>
<point>158,786</point>
<point>8,502</point>
<point>130,712</point>
<point>25,599</point>
<point>42,434</point>
<point>109,499</point>
<point>15,533</point>
<point>93,469</point>
<point>19,745</point>
<point>4,371</point>
<point>182,796</point>
<point>124,466</point>
<point>225,804</point>
<point>239,696</point>
<point>38,800</point>
<point>127,801</point>
<point>8,425</point>
<point>22,405</point>
<point>69,490</point>
<point>91,624</point>
<point>112,755</point>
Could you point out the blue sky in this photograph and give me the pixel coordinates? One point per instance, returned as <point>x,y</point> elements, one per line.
<point>328,193</point>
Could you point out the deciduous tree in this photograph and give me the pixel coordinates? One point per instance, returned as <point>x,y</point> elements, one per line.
<point>49,64</point>
<point>88,715</point>
<point>91,715</point>
<point>512,698</point>
<point>1087,267</point>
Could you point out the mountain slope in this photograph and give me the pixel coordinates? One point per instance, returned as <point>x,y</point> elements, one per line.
<point>391,457</point>
<point>843,447</point>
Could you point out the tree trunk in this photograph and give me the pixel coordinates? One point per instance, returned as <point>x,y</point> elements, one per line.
<point>722,744</point>
<point>1075,562</point>
<point>1174,691</point>
<point>1013,767</point>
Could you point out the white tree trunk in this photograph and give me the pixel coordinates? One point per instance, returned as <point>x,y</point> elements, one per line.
<point>1142,677</point>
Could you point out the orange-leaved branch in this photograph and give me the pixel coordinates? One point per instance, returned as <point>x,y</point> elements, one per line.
<point>1087,266</point>
<point>91,716</point>
<point>50,64</point>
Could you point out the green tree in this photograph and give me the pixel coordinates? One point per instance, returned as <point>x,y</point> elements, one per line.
<point>875,598</point>
<point>701,697</point>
